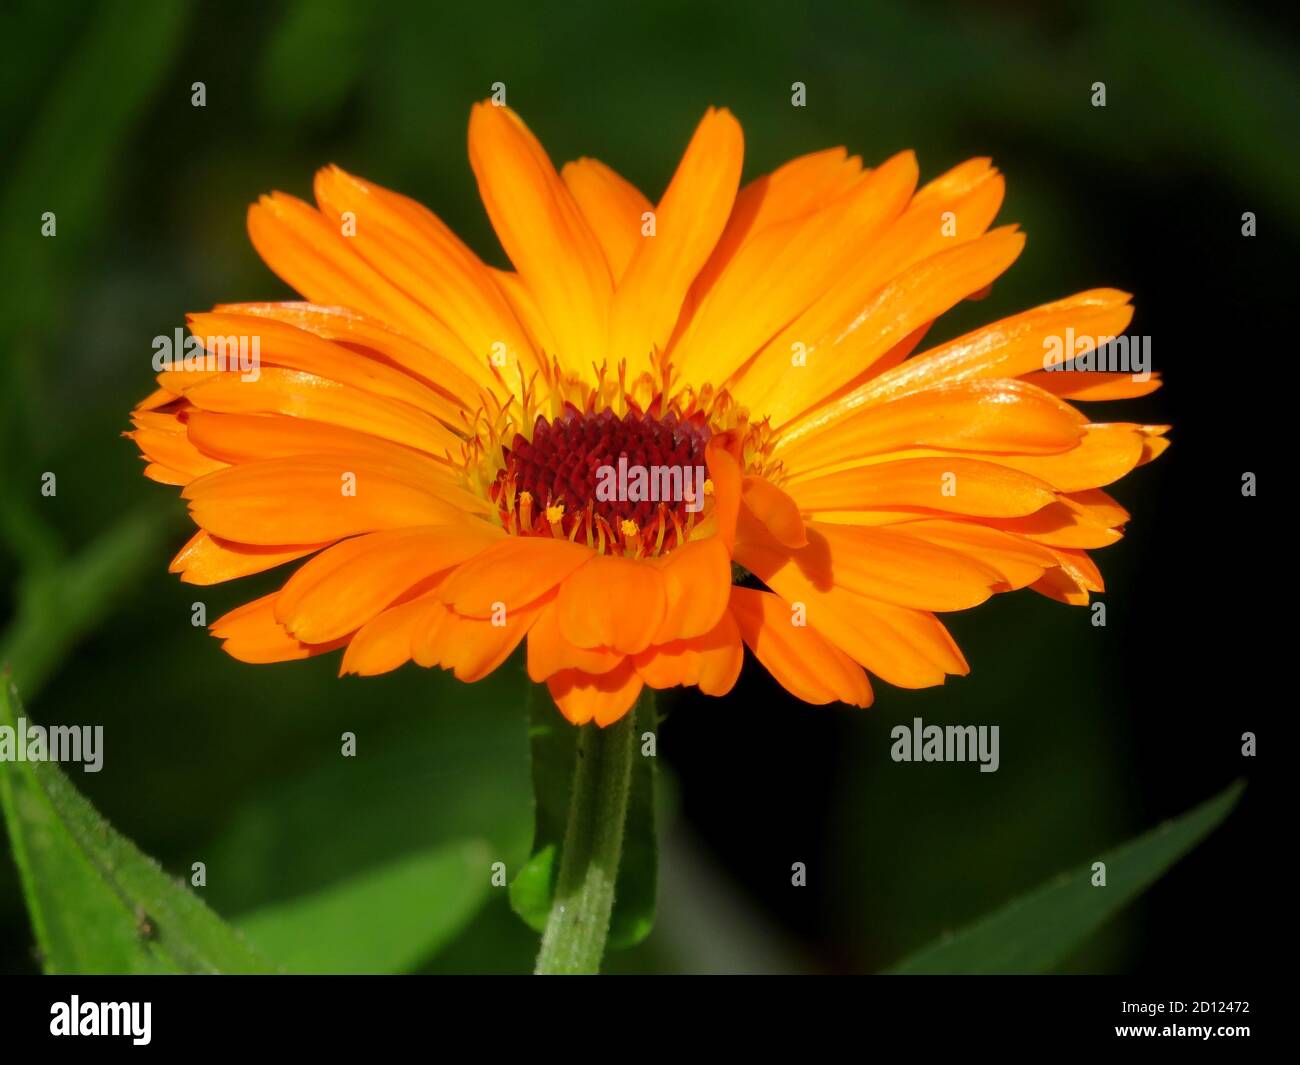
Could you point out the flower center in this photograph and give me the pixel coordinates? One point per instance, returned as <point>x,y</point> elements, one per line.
<point>635,484</point>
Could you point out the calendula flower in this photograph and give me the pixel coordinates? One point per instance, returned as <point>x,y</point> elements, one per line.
<point>672,431</point>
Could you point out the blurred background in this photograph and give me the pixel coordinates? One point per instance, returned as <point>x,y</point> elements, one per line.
<point>1104,732</point>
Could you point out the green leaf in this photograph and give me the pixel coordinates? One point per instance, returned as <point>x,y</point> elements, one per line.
<point>1032,934</point>
<point>382,921</point>
<point>59,604</point>
<point>532,890</point>
<point>431,769</point>
<point>88,108</point>
<point>313,59</point>
<point>98,905</point>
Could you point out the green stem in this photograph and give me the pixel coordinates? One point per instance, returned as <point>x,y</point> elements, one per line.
<point>574,940</point>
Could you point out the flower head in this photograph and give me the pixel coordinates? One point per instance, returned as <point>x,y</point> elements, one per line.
<point>670,432</point>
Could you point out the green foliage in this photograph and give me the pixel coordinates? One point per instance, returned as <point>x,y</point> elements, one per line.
<point>385,920</point>
<point>97,904</point>
<point>1032,934</point>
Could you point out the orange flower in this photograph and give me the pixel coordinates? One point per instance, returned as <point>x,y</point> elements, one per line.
<point>444,438</point>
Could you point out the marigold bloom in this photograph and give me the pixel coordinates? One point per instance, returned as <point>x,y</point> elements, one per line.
<point>430,430</point>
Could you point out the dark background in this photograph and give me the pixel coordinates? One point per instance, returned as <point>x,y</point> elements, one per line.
<point>1104,731</point>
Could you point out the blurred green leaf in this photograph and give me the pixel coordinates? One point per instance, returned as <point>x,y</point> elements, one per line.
<point>1040,930</point>
<point>426,775</point>
<point>313,60</point>
<point>385,920</point>
<point>109,76</point>
<point>532,890</point>
<point>59,603</point>
<point>97,904</point>
<point>75,109</point>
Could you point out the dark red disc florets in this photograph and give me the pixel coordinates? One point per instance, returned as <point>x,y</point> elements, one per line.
<point>561,467</point>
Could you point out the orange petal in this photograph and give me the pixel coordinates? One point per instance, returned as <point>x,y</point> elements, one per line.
<point>956,485</point>
<point>511,574</point>
<point>612,602</point>
<point>462,380</point>
<point>1153,443</point>
<point>906,647</point>
<point>1061,585</point>
<point>470,647</point>
<point>857,322</point>
<point>1017,561</point>
<point>347,585</point>
<point>954,208</point>
<point>604,698</point>
<point>1089,387</point>
<point>711,662</point>
<point>802,186</point>
<point>170,450</point>
<point>891,565</point>
<point>311,255</point>
<point>527,310</point>
<point>724,472</point>
<point>251,634</point>
<point>1104,455</point>
<point>697,586</point>
<point>1000,416</point>
<point>543,231</point>
<point>159,397</point>
<point>1068,523</point>
<point>880,563</point>
<point>207,559</point>
<point>805,664</point>
<point>613,207</point>
<point>304,395</point>
<point>550,653</point>
<point>301,500</point>
<point>688,222</point>
<point>247,438</point>
<point>384,642</point>
<point>413,248</point>
<point>775,276</point>
<point>1007,348</point>
<point>1081,567</point>
<point>287,346</point>
<point>775,511</point>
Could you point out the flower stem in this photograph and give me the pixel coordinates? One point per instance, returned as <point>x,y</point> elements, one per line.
<point>574,940</point>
